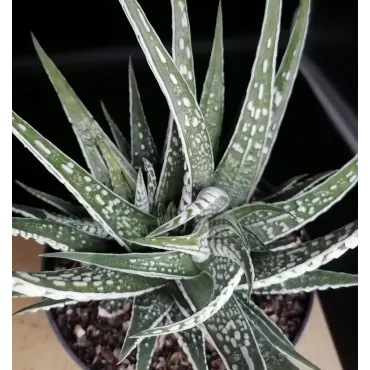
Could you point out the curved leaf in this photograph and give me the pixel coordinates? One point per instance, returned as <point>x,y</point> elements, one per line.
<point>310,281</point>
<point>27,211</point>
<point>82,284</point>
<point>238,170</point>
<point>210,201</point>
<point>212,99</point>
<point>120,140</point>
<point>45,305</point>
<point>305,208</point>
<point>152,183</point>
<point>144,354</point>
<point>60,204</point>
<point>142,143</point>
<point>167,265</point>
<point>116,215</point>
<point>141,195</point>
<point>57,235</point>
<point>183,105</point>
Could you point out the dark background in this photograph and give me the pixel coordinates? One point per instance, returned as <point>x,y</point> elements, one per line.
<point>90,41</point>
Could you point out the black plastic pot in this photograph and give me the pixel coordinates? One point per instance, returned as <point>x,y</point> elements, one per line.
<point>47,265</point>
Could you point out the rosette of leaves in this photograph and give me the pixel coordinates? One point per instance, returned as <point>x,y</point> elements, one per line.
<point>190,244</point>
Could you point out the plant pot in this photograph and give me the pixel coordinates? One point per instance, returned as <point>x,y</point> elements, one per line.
<point>48,264</point>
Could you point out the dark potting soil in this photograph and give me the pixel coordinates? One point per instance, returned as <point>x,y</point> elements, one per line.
<point>97,339</point>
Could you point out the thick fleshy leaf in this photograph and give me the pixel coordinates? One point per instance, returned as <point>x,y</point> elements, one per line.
<point>193,133</point>
<point>118,182</point>
<point>44,305</point>
<point>142,143</point>
<point>144,354</point>
<point>83,284</point>
<point>284,82</point>
<point>151,183</point>
<point>261,322</point>
<point>27,211</point>
<point>83,123</point>
<point>57,235</point>
<point>274,359</point>
<point>239,168</point>
<point>116,215</point>
<point>310,281</point>
<point>234,339</point>
<point>226,276</point>
<point>141,194</point>
<point>171,179</point>
<point>270,225</point>
<point>298,187</point>
<point>274,268</point>
<point>148,310</point>
<point>60,204</point>
<point>120,140</point>
<point>190,341</point>
<point>210,201</point>
<point>212,99</point>
<point>167,265</point>
<point>195,243</point>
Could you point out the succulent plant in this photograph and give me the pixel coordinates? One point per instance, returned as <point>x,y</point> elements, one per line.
<point>190,245</point>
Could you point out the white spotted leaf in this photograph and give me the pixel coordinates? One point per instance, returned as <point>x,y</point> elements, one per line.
<point>151,183</point>
<point>99,201</point>
<point>142,142</point>
<point>60,204</point>
<point>261,322</point>
<point>83,123</point>
<point>311,281</point>
<point>212,99</point>
<point>195,243</point>
<point>284,81</point>
<point>226,276</point>
<point>193,133</point>
<point>57,235</point>
<point>27,211</point>
<point>119,139</point>
<point>44,305</point>
<point>210,201</point>
<point>148,310</point>
<point>145,352</point>
<point>306,207</point>
<point>167,265</point>
<point>141,194</point>
<point>83,284</point>
<point>276,267</point>
<point>238,169</point>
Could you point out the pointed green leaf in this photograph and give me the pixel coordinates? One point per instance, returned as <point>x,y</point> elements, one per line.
<point>120,140</point>
<point>45,305</point>
<point>210,201</point>
<point>212,99</point>
<point>118,181</point>
<point>195,243</point>
<point>238,169</point>
<point>148,310</point>
<point>83,123</point>
<point>141,195</point>
<point>270,225</point>
<point>142,143</point>
<point>226,276</point>
<point>26,211</point>
<point>55,234</point>
<point>116,215</point>
<point>167,265</point>
<point>83,284</point>
<point>152,183</point>
<point>190,341</point>
<point>60,204</point>
<point>234,339</point>
<point>144,354</point>
<point>261,322</point>
<point>310,281</point>
<point>171,179</point>
<point>285,80</point>
<point>274,268</point>
<point>182,103</point>
<point>18,295</point>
